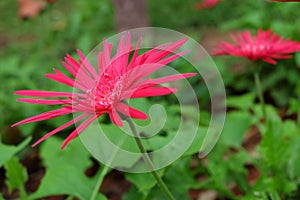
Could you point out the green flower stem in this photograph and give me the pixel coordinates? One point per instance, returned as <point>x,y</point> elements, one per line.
<point>260,93</point>
<point>23,194</point>
<point>103,172</point>
<point>298,116</point>
<point>148,161</point>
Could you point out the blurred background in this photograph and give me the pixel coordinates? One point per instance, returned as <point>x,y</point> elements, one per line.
<point>35,35</point>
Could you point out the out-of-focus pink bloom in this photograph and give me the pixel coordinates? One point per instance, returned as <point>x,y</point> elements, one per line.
<point>266,46</point>
<point>106,88</point>
<point>206,4</point>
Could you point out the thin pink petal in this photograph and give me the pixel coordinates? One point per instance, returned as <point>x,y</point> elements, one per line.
<point>115,118</point>
<point>104,60</point>
<point>73,121</point>
<point>137,73</point>
<point>155,57</point>
<point>60,79</point>
<point>81,75</point>
<point>165,79</point>
<point>152,91</point>
<point>87,65</point>
<point>79,129</point>
<point>44,116</point>
<point>43,101</point>
<point>70,69</point>
<point>73,63</point>
<point>173,57</point>
<point>45,93</point>
<point>134,56</point>
<point>101,64</point>
<point>131,112</point>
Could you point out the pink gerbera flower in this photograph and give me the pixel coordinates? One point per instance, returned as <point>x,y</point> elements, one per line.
<point>105,89</point>
<point>266,46</point>
<point>206,4</point>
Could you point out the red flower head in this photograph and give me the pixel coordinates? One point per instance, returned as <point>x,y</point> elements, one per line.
<point>206,4</point>
<point>266,46</point>
<point>104,90</point>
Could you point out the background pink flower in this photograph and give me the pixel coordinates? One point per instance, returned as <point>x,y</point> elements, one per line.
<point>266,46</point>
<point>206,4</point>
<point>104,89</point>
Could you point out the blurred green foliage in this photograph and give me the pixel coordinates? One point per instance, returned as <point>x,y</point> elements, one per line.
<point>30,48</point>
<point>16,176</point>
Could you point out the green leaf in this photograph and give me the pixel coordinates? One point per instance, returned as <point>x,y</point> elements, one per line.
<point>295,157</point>
<point>65,170</point>
<point>297,58</point>
<point>249,20</point>
<point>197,142</point>
<point>274,146</point>
<point>28,129</point>
<point>144,181</point>
<point>236,125</point>
<point>157,194</point>
<point>175,143</point>
<point>275,196</point>
<point>243,102</point>
<point>101,197</point>
<point>179,177</point>
<point>134,193</point>
<point>8,151</point>
<point>277,149</point>
<point>110,144</point>
<point>16,176</point>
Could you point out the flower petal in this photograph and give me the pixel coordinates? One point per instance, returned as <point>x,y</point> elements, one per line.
<point>73,121</point>
<point>152,91</point>
<point>156,57</point>
<point>115,117</point>
<point>46,115</point>
<point>79,129</point>
<point>166,79</point>
<point>87,65</point>
<point>131,112</point>
<point>43,101</point>
<point>45,93</point>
